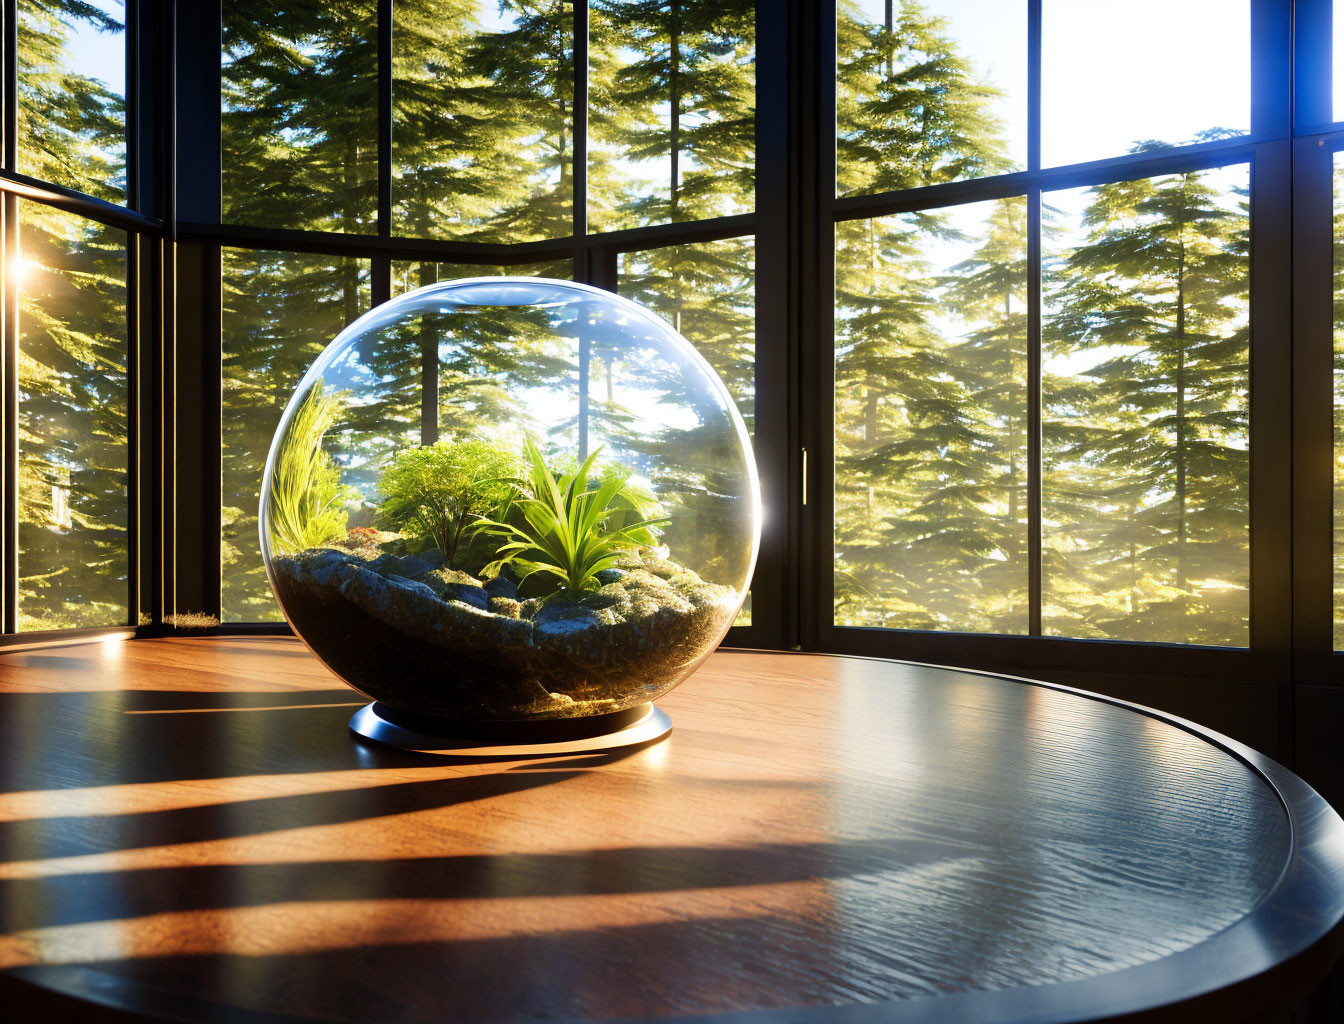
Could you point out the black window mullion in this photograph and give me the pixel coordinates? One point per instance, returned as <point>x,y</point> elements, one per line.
<point>1313,410</point>
<point>1035,395</point>
<point>133,426</point>
<point>9,426</point>
<point>811,491</point>
<point>1312,64</point>
<point>1271,398</point>
<point>1272,68</point>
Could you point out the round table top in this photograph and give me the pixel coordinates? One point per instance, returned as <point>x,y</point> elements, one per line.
<point>187,828</point>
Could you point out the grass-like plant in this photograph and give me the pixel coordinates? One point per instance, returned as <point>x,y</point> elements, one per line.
<point>565,529</point>
<point>307,499</point>
<point>435,492</point>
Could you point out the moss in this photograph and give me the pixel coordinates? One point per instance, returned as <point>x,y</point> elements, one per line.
<point>442,645</point>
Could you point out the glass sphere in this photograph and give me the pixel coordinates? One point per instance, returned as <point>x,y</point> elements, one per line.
<point>506,499</point>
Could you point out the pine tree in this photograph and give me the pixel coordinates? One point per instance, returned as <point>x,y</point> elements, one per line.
<point>988,292</point>
<point>1339,405</point>
<point>908,109</point>
<point>672,85</point>
<point>1147,471</point>
<point>72,360</point>
<point>922,413</point>
<point>482,121</point>
<point>280,311</point>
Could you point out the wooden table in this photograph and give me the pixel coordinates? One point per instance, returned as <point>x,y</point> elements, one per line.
<point>188,829</point>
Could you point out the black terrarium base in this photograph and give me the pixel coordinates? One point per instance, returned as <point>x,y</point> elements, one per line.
<point>633,727</point>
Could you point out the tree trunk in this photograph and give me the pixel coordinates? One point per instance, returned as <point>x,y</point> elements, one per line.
<point>674,83</point>
<point>1181,440</point>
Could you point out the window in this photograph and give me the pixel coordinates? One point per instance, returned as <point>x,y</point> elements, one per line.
<point>73,410</point>
<point>672,90</point>
<point>483,120</point>
<point>298,125</point>
<point>1337,378</point>
<point>532,126</point>
<point>280,311</point>
<point>995,292</point>
<point>1041,392</point>
<point>931,420</point>
<point>72,95</point>
<point>928,93</point>
<point>1147,379</point>
<point>707,291</point>
<point>1170,73</point>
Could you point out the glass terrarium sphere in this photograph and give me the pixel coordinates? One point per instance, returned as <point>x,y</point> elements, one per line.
<point>505,499</point>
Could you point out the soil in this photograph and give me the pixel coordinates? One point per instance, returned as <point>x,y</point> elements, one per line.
<point>432,640</point>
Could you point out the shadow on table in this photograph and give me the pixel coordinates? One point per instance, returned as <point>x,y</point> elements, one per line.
<point>80,897</point>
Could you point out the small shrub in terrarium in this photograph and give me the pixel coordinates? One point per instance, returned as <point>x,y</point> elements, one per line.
<point>510,500</point>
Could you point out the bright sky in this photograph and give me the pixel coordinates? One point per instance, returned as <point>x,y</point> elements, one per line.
<point>100,54</point>
<point>1111,73</point>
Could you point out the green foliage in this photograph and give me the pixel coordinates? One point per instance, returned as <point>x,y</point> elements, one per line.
<point>306,505</point>
<point>436,491</point>
<point>567,530</point>
<point>280,310</point>
<point>72,355</point>
<point>1339,403</point>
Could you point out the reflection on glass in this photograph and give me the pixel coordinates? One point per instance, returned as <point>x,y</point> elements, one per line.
<point>1339,401</point>
<point>672,111</point>
<point>72,419</point>
<point>929,92</point>
<point>930,420</point>
<point>298,123</point>
<point>1146,475</point>
<point>483,125</point>
<point>72,95</point>
<point>280,311</point>
<point>1117,78</point>
<point>707,292</point>
<point>408,275</point>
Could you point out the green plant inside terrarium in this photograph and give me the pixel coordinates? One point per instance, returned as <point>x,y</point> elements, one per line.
<point>533,587</point>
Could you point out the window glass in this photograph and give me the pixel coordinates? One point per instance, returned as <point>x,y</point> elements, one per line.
<point>73,420</point>
<point>299,118</point>
<point>407,275</point>
<point>672,111</point>
<point>280,311</point>
<point>1146,476</point>
<point>1119,78</point>
<point>930,420</point>
<point>72,95</point>
<point>483,119</point>
<point>927,93</point>
<point>707,291</point>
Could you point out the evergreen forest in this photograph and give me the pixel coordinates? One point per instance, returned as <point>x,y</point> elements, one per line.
<point>1145,296</point>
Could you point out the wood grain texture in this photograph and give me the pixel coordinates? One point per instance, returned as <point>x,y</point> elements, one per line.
<point>187,826</point>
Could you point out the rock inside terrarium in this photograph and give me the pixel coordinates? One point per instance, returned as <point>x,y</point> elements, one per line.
<point>510,499</point>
